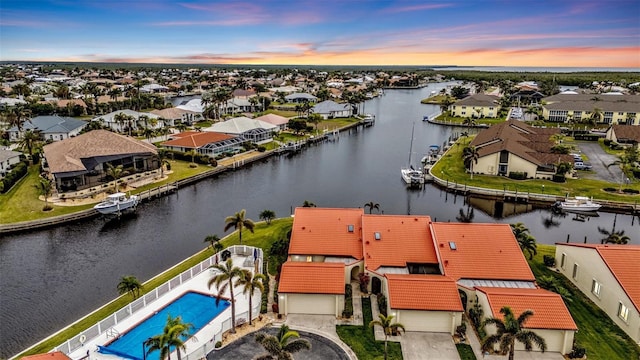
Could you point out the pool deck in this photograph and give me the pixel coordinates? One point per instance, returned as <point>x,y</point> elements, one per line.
<point>205,337</point>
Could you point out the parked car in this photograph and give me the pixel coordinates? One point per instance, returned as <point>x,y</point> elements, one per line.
<point>579,165</point>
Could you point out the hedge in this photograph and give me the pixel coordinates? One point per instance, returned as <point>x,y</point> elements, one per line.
<point>198,158</point>
<point>348,301</point>
<point>587,137</point>
<point>18,172</point>
<point>517,175</point>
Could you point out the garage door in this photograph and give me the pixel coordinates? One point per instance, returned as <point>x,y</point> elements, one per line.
<point>311,304</point>
<point>431,321</point>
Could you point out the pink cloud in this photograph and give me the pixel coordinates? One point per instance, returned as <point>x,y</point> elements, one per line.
<point>422,7</point>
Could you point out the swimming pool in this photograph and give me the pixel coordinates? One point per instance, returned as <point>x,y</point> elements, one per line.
<point>195,308</point>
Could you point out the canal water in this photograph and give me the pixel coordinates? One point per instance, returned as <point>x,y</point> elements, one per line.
<point>49,278</point>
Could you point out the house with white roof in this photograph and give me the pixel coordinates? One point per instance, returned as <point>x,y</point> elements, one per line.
<point>250,129</point>
<point>609,276</point>
<point>329,109</point>
<point>137,120</point>
<point>300,97</point>
<point>52,128</point>
<point>8,159</point>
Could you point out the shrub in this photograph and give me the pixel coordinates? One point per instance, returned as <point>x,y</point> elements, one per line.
<point>636,173</point>
<point>261,148</point>
<point>587,137</point>
<point>275,292</point>
<point>364,281</point>
<point>213,162</point>
<point>607,142</point>
<point>610,189</point>
<point>265,298</point>
<point>348,301</point>
<point>17,173</point>
<point>382,304</point>
<point>578,352</point>
<point>218,344</point>
<point>517,175</point>
<point>549,260</point>
<point>558,178</point>
<point>630,191</point>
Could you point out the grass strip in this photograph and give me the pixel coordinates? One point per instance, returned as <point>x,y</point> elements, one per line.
<point>361,340</point>
<point>597,333</point>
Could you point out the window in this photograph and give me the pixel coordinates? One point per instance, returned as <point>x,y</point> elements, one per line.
<point>575,271</point>
<point>577,116</point>
<point>350,228</point>
<point>377,235</point>
<point>309,258</point>
<point>558,115</point>
<point>596,287</point>
<point>623,312</point>
<point>608,117</point>
<point>563,260</point>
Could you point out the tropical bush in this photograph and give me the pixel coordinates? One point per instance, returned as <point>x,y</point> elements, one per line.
<point>549,260</point>
<point>265,298</point>
<point>610,189</point>
<point>578,352</point>
<point>630,191</point>
<point>18,172</point>
<point>517,175</point>
<point>348,301</point>
<point>382,304</point>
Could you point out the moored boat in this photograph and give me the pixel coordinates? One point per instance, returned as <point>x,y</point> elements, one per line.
<point>117,203</point>
<point>578,203</point>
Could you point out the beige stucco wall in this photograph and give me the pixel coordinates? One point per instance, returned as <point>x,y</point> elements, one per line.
<point>591,267</point>
<point>304,258</point>
<point>322,304</point>
<point>557,340</point>
<point>489,165</point>
<point>470,111</point>
<point>428,321</point>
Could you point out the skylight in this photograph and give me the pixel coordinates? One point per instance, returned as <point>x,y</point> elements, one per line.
<point>452,245</point>
<point>376,235</point>
<point>350,228</point>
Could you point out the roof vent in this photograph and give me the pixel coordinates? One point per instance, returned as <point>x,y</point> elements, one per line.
<point>350,228</point>
<point>376,235</point>
<point>452,245</point>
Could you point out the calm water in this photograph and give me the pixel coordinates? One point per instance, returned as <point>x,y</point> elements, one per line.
<point>50,278</point>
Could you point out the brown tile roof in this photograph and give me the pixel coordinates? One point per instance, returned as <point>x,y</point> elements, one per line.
<point>324,231</point>
<point>63,103</point>
<point>627,132</point>
<point>65,156</point>
<point>623,262</point>
<point>172,113</point>
<point>479,100</point>
<point>588,102</point>
<point>403,239</point>
<point>56,355</point>
<point>195,139</point>
<point>482,251</point>
<point>311,278</point>
<point>549,311</point>
<point>520,139</point>
<point>423,292</point>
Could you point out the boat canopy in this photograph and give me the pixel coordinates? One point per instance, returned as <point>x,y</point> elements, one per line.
<point>116,195</point>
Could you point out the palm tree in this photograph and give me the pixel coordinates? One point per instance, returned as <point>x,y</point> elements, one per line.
<point>162,157</point>
<point>251,283</point>
<point>176,333</point>
<point>526,241</point>
<point>597,115</point>
<point>44,188</point>
<point>282,346</point>
<point>267,216</point>
<point>470,156</point>
<point>614,236</point>
<point>214,240</point>
<point>17,116</point>
<point>385,322</point>
<point>308,203</point>
<point>466,217</point>
<point>158,343</point>
<point>223,280</point>
<point>239,222</point>
<point>129,284</point>
<point>372,205</point>
<point>509,330</point>
<point>121,118</point>
<point>444,105</point>
<point>29,142</point>
<point>469,122</point>
<point>115,172</point>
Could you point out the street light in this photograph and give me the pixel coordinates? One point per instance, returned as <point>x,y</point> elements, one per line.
<point>542,189</point>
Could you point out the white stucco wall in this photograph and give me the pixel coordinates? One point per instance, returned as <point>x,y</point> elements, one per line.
<point>316,304</point>
<point>428,321</point>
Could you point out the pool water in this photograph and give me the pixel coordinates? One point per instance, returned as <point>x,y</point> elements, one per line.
<point>195,308</point>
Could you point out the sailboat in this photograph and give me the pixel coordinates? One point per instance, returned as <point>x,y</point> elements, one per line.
<point>410,175</point>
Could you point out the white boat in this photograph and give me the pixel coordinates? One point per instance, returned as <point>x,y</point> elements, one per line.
<point>409,174</point>
<point>578,203</point>
<point>117,203</point>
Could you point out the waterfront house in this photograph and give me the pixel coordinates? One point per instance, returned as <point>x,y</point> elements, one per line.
<point>52,128</point>
<point>476,106</point>
<point>205,142</point>
<point>430,272</point>
<point>136,121</point>
<point>515,147</point>
<point>280,121</point>
<point>329,109</point>
<point>608,275</point>
<point>252,130</point>
<point>8,159</point>
<point>300,98</point>
<point>173,116</point>
<point>624,134</point>
<point>81,162</point>
<point>614,108</point>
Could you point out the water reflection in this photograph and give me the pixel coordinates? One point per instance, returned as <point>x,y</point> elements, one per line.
<point>500,209</point>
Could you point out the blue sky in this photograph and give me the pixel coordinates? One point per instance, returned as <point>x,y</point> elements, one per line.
<point>603,33</point>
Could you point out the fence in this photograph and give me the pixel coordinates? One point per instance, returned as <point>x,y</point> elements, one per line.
<point>107,325</point>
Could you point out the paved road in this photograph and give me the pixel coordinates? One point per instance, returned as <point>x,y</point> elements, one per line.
<point>599,160</point>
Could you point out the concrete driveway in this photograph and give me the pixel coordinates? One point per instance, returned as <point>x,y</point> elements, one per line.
<point>424,345</point>
<point>599,160</point>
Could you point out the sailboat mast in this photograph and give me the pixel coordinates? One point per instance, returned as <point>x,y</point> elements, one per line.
<point>413,128</point>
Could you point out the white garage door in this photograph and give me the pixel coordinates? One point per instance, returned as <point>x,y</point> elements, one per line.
<point>430,321</point>
<point>311,304</point>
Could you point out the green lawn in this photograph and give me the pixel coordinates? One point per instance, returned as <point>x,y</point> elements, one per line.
<point>597,333</point>
<point>361,339</point>
<point>451,168</point>
<point>333,124</point>
<point>285,113</point>
<point>466,352</point>
<point>460,120</point>
<point>434,100</point>
<point>262,237</point>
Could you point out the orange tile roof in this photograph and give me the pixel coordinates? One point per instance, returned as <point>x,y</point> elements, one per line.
<point>403,239</point>
<point>549,311</point>
<point>324,231</point>
<point>483,251</point>
<point>56,355</point>
<point>423,292</point>
<point>195,139</point>
<point>311,278</point>
<point>623,262</point>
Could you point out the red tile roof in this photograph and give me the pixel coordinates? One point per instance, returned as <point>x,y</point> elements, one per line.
<point>311,278</point>
<point>403,239</point>
<point>483,251</point>
<point>195,139</point>
<point>423,292</point>
<point>324,231</point>
<point>623,261</point>
<point>56,355</point>
<point>549,311</point>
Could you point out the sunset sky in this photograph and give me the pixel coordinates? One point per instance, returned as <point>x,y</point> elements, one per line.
<point>602,33</point>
